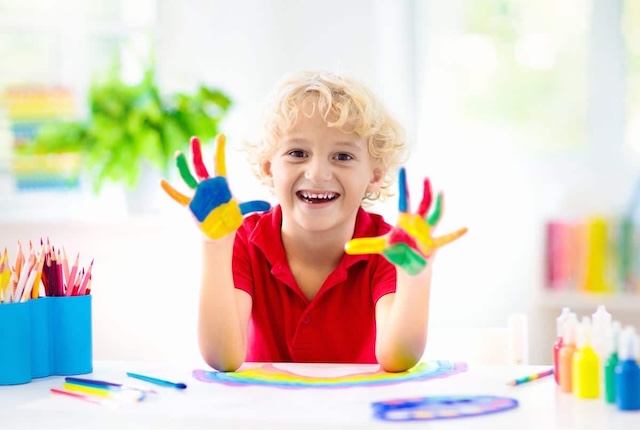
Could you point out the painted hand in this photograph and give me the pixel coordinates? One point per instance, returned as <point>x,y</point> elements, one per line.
<point>410,243</point>
<point>213,206</point>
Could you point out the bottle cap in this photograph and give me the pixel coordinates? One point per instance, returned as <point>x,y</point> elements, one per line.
<point>628,348</point>
<point>601,316</point>
<point>560,321</point>
<point>583,333</point>
<point>570,326</point>
<point>613,336</point>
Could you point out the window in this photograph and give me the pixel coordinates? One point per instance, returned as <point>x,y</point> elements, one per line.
<point>50,53</point>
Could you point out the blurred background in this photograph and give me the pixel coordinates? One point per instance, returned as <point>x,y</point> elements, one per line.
<point>525,112</point>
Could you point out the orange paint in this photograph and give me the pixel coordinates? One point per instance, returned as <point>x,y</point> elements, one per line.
<point>565,356</point>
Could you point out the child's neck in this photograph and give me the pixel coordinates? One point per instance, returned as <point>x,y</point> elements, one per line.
<point>321,249</point>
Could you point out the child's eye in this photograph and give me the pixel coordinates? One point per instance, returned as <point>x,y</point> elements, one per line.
<point>296,153</point>
<point>343,157</point>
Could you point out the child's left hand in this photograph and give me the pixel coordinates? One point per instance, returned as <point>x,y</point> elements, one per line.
<point>410,243</point>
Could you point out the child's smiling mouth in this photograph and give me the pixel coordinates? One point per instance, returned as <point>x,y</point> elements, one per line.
<point>314,197</point>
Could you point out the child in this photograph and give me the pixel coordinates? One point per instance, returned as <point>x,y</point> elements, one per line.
<point>278,286</point>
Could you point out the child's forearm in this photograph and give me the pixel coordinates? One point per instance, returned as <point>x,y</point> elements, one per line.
<point>221,334</point>
<point>402,337</point>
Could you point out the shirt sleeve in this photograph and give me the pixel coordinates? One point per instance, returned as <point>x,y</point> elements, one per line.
<point>241,262</point>
<point>383,279</point>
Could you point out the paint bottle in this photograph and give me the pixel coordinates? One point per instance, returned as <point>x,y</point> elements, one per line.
<point>601,320</point>
<point>612,360</point>
<point>628,371</point>
<point>518,343</point>
<point>565,356</point>
<point>586,364</point>
<point>558,344</point>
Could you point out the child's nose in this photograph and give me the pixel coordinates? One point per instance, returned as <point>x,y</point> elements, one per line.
<point>318,171</point>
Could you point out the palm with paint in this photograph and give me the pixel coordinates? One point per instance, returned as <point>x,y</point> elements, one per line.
<point>410,243</point>
<point>212,204</point>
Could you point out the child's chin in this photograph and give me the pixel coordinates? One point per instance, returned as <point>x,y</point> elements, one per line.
<point>317,224</point>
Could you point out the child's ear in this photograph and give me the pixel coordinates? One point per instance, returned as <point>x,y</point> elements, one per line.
<point>266,173</point>
<point>376,180</point>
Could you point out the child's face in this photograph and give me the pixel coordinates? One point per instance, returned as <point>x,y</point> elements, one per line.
<point>320,175</point>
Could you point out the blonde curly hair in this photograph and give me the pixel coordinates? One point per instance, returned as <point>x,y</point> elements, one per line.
<point>343,103</point>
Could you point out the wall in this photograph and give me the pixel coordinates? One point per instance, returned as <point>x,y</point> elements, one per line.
<point>146,277</point>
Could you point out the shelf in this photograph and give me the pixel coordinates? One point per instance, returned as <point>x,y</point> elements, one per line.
<point>573,299</point>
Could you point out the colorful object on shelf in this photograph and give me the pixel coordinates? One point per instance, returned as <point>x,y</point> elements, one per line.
<point>410,243</point>
<point>593,254</point>
<point>440,407</point>
<point>215,209</point>
<point>29,109</point>
<point>272,376</point>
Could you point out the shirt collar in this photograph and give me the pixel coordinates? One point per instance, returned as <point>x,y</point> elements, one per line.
<point>266,235</point>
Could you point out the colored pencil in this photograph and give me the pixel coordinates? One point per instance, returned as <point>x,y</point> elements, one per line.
<point>157,381</point>
<point>106,384</point>
<point>530,377</point>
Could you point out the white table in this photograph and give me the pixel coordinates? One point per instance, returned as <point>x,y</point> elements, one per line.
<point>214,406</point>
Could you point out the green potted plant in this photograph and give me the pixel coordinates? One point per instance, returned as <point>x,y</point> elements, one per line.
<point>130,125</point>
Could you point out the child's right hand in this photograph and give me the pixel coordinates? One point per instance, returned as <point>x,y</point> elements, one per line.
<point>212,205</point>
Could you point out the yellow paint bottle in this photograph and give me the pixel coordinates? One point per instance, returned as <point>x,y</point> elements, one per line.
<point>586,364</point>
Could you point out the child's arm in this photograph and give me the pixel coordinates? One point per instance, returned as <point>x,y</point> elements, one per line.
<point>223,310</point>
<point>402,321</point>
<point>402,318</point>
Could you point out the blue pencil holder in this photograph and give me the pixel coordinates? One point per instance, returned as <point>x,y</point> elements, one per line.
<point>71,334</point>
<point>15,343</point>
<point>41,341</point>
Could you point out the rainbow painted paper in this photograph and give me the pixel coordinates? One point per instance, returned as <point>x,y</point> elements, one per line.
<point>271,376</point>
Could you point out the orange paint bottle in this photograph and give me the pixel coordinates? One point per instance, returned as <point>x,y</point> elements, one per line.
<point>558,344</point>
<point>565,356</point>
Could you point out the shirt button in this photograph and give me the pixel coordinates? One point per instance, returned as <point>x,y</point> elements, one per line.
<point>306,319</point>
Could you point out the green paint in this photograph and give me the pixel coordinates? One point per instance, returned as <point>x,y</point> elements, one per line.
<point>610,378</point>
<point>183,167</point>
<point>435,215</point>
<point>405,257</point>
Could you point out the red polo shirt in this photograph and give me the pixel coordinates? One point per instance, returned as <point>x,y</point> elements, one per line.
<point>338,325</point>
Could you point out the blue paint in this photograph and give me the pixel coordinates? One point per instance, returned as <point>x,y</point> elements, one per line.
<point>628,385</point>
<point>210,194</point>
<point>402,183</point>
<point>254,206</point>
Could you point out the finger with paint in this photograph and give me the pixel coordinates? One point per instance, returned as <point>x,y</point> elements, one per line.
<point>410,243</point>
<point>212,204</point>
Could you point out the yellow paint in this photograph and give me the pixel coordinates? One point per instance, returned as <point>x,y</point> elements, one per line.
<point>366,245</point>
<point>222,220</point>
<point>586,373</point>
<point>221,166</point>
